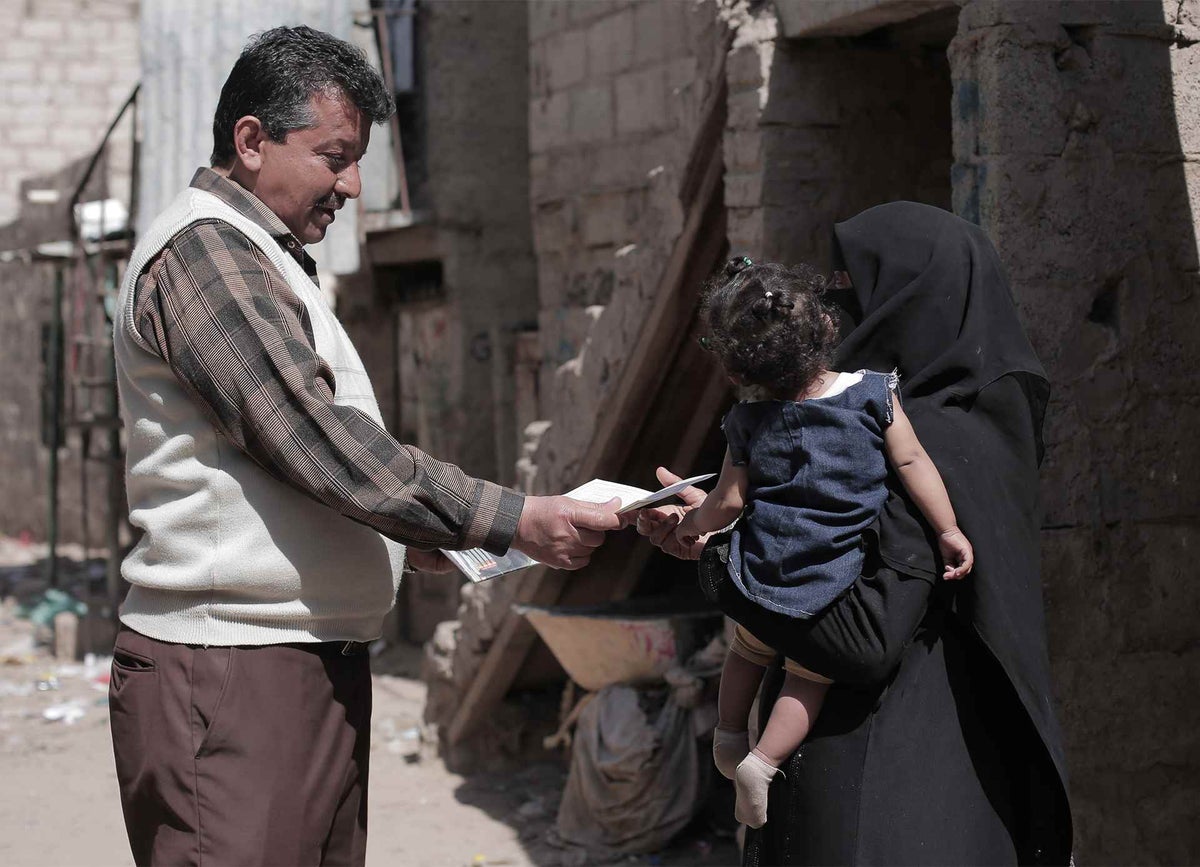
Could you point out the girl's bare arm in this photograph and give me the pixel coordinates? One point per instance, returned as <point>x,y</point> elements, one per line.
<point>924,484</point>
<point>720,508</point>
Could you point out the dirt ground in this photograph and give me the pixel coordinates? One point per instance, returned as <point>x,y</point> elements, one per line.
<point>59,805</point>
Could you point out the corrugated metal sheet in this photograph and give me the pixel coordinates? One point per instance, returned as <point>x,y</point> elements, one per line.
<point>188,48</point>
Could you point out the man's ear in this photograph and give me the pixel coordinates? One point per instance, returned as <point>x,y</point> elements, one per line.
<point>248,139</point>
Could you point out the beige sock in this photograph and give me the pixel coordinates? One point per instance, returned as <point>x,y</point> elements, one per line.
<point>729,748</point>
<point>752,781</point>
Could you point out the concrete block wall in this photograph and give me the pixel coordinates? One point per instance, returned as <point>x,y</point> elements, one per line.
<point>66,67</point>
<point>616,92</point>
<point>1076,136</point>
<point>819,130</point>
<point>615,96</point>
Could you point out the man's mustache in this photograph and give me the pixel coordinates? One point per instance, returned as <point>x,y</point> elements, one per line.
<point>333,202</point>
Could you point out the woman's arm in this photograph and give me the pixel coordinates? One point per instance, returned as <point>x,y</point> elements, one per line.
<point>720,508</point>
<point>924,485</point>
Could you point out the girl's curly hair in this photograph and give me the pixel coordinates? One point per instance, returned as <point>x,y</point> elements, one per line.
<point>769,324</point>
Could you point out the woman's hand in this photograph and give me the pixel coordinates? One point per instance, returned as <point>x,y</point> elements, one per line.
<point>660,523</point>
<point>957,554</point>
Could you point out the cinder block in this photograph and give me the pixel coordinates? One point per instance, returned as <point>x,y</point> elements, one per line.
<point>660,31</point>
<point>566,59</point>
<point>22,49</point>
<point>743,190</point>
<point>549,122</point>
<point>743,149</point>
<point>546,17</point>
<point>745,231</point>
<point>86,29</point>
<point>610,44</point>
<point>604,219</point>
<point>17,70</point>
<point>585,11</point>
<point>744,110</point>
<point>552,226</point>
<point>642,101</point>
<point>42,29</point>
<point>745,64</point>
<point>591,114</point>
<point>97,72</point>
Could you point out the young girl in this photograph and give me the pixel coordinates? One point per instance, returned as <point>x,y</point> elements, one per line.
<point>805,472</point>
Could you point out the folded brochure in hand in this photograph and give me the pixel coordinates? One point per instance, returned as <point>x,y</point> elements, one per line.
<point>478,565</point>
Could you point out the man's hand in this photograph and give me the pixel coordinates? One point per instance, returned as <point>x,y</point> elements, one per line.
<point>562,532</point>
<point>428,561</point>
<point>658,524</point>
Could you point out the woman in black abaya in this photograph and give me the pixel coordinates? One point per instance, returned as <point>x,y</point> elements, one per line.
<point>938,743</point>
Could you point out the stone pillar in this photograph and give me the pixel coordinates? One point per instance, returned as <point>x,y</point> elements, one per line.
<point>1075,141</point>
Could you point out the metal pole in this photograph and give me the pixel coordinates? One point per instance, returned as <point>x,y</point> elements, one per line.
<point>116,489</point>
<point>56,385</point>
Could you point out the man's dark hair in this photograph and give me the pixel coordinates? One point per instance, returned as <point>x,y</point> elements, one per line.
<point>277,74</point>
<point>769,324</point>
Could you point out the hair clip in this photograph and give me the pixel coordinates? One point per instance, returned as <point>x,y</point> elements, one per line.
<point>737,265</point>
<point>768,294</point>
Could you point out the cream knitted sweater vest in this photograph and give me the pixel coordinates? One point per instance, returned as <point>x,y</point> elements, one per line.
<point>229,555</point>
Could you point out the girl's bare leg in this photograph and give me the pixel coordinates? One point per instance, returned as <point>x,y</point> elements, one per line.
<point>740,679</point>
<point>791,720</point>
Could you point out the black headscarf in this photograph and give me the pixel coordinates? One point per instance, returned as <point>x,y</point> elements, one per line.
<point>931,300</point>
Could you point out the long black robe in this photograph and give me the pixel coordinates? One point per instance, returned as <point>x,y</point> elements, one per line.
<point>938,743</point>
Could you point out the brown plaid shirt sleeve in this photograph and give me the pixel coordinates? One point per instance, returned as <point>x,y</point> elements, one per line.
<point>216,310</point>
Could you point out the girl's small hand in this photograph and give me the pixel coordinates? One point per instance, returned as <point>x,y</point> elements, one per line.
<point>687,533</point>
<point>957,554</point>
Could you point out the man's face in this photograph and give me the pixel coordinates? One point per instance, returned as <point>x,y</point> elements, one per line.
<point>308,176</point>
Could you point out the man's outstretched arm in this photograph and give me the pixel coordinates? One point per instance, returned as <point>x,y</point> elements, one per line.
<point>215,309</point>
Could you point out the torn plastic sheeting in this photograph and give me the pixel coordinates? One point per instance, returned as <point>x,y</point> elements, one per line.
<point>635,776</point>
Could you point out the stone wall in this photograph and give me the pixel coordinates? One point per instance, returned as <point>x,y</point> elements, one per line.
<point>819,130</point>
<point>616,91</point>
<point>1076,138</point>
<point>450,362</point>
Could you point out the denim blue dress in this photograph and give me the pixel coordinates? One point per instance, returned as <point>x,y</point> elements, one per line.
<point>816,473</point>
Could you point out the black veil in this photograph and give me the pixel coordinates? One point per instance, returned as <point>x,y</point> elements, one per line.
<point>931,300</point>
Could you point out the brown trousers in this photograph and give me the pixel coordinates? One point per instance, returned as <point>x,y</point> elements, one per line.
<point>241,755</point>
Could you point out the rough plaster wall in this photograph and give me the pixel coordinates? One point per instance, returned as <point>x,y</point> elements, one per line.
<point>66,67</point>
<point>818,131</point>
<point>615,95</point>
<point>1076,141</point>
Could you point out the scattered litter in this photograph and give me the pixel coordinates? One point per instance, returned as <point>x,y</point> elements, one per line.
<point>47,683</point>
<point>69,712</point>
<point>20,652</point>
<point>42,609</point>
<point>20,690</point>
<point>531,810</point>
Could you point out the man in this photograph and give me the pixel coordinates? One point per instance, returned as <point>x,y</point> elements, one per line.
<point>262,479</point>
